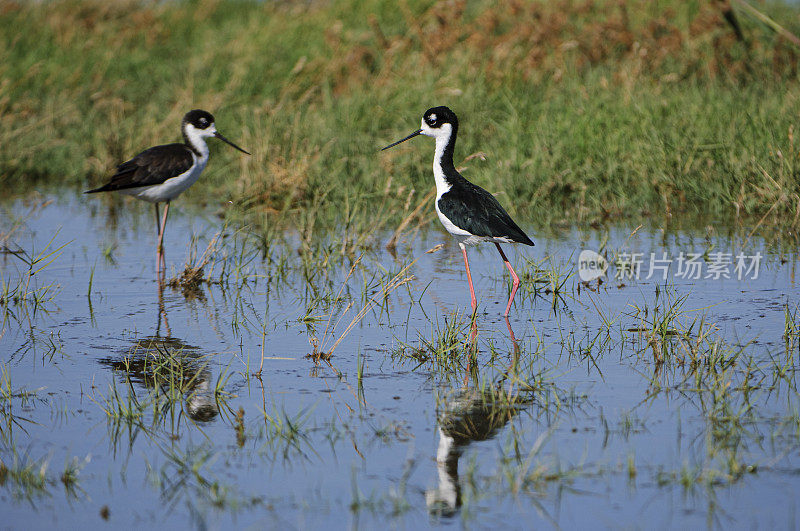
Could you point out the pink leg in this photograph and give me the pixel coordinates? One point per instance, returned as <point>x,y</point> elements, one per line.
<point>158,235</point>
<point>162,263</point>
<point>158,220</point>
<point>469,278</point>
<point>514,276</point>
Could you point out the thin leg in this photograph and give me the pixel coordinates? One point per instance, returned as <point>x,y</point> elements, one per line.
<point>158,219</point>
<point>469,278</point>
<point>514,277</point>
<point>158,235</point>
<point>162,263</point>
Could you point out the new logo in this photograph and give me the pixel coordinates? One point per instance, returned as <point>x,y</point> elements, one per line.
<point>591,265</point>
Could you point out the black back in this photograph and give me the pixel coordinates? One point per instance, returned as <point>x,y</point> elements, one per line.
<point>476,211</point>
<point>150,167</point>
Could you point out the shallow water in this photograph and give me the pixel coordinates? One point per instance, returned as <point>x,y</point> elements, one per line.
<point>596,412</point>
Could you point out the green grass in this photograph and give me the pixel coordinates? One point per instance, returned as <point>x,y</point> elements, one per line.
<point>585,111</point>
<point>21,295</point>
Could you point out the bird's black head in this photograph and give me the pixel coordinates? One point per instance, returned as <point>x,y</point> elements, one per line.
<point>438,122</point>
<point>198,124</point>
<point>199,119</point>
<point>436,117</point>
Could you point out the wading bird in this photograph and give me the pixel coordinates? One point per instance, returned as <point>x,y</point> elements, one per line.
<point>467,211</point>
<point>162,173</point>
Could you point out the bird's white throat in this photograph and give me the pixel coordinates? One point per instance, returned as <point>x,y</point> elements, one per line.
<point>196,138</point>
<point>442,136</point>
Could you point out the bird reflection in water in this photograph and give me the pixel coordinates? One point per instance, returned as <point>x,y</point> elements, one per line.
<point>466,415</point>
<point>168,364</point>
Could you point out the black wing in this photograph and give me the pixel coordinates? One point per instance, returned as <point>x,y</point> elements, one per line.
<point>151,166</point>
<point>475,210</point>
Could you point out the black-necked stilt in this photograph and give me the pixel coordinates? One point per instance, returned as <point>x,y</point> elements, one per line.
<point>162,173</point>
<point>467,211</point>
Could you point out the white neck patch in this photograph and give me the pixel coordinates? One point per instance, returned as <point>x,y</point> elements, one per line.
<point>197,138</point>
<point>442,136</point>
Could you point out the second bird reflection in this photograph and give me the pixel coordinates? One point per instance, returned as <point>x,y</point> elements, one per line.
<point>465,416</point>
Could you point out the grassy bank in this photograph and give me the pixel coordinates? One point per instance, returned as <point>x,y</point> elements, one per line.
<point>585,111</point>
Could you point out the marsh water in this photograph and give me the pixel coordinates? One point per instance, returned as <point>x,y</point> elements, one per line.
<point>634,402</point>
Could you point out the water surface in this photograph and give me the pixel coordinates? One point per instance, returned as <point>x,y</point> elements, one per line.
<point>633,403</point>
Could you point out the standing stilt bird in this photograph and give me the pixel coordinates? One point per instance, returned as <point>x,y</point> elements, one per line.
<point>467,211</point>
<point>162,173</point>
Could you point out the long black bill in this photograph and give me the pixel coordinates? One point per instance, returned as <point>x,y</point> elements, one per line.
<point>412,135</point>
<point>218,135</point>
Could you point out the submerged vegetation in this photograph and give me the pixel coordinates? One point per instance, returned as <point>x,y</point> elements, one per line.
<point>579,110</point>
